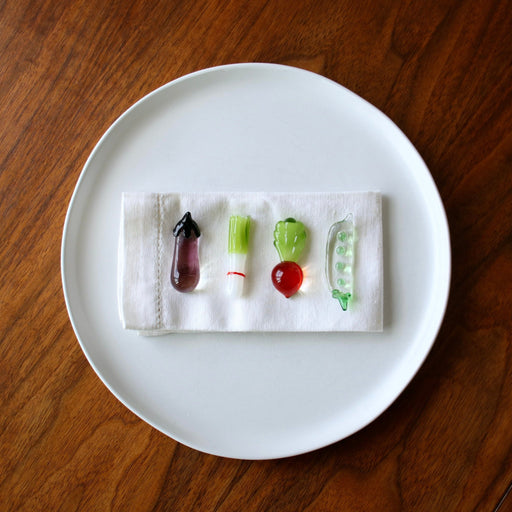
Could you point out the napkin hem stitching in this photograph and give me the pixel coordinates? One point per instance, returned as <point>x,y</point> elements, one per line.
<point>158,288</point>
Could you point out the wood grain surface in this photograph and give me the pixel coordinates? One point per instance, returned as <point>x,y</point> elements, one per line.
<point>442,70</point>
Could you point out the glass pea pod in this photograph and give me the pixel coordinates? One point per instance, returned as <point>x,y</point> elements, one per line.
<point>339,260</point>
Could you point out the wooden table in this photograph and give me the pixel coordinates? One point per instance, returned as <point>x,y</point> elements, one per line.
<point>441,70</point>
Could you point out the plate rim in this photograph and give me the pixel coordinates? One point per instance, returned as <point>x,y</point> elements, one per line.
<point>433,329</point>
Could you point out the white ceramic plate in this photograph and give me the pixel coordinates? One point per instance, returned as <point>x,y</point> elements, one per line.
<point>258,127</point>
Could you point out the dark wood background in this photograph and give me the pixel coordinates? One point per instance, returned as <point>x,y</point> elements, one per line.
<point>442,70</point>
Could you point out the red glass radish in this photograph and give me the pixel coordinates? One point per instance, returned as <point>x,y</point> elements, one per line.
<point>289,240</point>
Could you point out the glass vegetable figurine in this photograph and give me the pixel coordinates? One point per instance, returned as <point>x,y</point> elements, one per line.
<point>238,245</point>
<point>185,262</point>
<point>339,260</point>
<point>289,240</point>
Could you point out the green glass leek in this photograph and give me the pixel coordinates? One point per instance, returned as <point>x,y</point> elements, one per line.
<point>238,240</point>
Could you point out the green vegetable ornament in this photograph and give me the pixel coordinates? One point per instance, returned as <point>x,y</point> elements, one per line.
<point>238,246</point>
<point>289,240</point>
<point>339,260</point>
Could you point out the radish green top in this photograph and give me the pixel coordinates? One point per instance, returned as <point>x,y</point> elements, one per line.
<point>289,239</point>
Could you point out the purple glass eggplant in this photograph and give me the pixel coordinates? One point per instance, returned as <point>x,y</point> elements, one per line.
<point>185,262</point>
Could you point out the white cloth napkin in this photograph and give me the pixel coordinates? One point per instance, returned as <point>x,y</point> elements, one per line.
<point>149,304</point>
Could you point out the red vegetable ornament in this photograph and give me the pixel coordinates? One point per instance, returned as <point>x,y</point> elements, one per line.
<point>289,240</point>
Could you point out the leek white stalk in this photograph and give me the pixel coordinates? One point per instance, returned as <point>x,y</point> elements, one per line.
<point>238,246</point>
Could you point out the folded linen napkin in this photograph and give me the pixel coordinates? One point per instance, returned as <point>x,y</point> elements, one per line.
<point>149,304</point>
